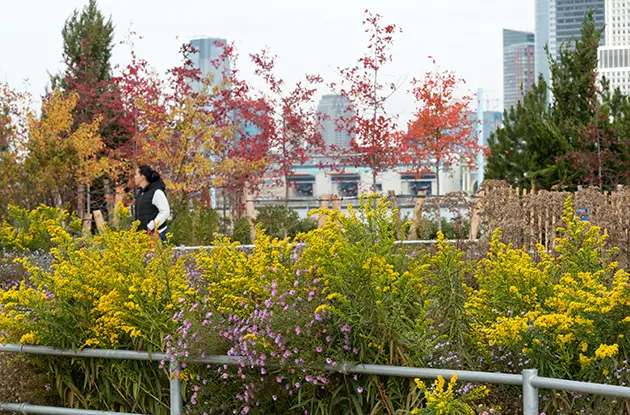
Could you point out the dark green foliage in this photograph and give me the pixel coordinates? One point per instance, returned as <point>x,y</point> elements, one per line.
<point>280,222</point>
<point>242,231</point>
<point>194,225</point>
<point>581,138</point>
<point>87,44</point>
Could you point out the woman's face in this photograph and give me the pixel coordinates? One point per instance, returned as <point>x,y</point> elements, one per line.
<point>140,180</point>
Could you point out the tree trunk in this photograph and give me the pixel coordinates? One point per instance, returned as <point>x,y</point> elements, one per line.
<point>373,180</point>
<point>439,200</point>
<point>286,190</point>
<point>224,228</point>
<point>81,200</point>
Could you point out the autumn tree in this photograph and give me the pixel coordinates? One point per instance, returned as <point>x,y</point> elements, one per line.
<point>174,127</point>
<point>87,48</point>
<point>442,132</point>
<point>57,155</point>
<point>13,110</point>
<point>288,120</point>
<point>376,142</point>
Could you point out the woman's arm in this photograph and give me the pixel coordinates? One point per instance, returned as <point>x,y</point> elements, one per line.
<point>164,210</point>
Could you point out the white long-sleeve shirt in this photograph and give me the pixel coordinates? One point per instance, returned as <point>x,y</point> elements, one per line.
<point>164,210</point>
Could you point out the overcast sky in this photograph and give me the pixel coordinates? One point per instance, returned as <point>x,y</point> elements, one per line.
<point>308,36</point>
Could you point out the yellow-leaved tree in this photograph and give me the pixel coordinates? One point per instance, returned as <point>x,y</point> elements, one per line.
<point>57,158</point>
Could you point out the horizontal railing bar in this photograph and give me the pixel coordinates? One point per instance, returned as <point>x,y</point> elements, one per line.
<point>345,368</point>
<point>26,408</point>
<point>94,353</point>
<point>218,360</point>
<point>250,246</point>
<point>582,387</point>
<point>425,373</point>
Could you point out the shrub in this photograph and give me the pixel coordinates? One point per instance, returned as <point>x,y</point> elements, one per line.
<point>121,218</point>
<point>194,225</point>
<point>346,294</point>
<point>281,222</point>
<point>241,231</point>
<point>118,290</point>
<point>566,315</point>
<point>30,230</point>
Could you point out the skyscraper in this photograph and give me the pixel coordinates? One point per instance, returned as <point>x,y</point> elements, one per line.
<point>208,58</point>
<point>542,39</point>
<point>336,110</point>
<point>518,66</point>
<point>614,56</point>
<point>565,20</point>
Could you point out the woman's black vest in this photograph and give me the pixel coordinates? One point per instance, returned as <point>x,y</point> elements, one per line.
<point>144,209</point>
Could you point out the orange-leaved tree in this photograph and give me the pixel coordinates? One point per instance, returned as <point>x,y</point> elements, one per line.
<point>442,133</point>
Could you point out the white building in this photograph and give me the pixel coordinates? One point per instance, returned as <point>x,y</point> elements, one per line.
<point>311,181</point>
<point>614,56</point>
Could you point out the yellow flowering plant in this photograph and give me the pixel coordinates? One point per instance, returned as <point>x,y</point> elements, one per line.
<point>118,290</point>
<point>567,315</point>
<point>443,398</point>
<point>343,292</point>
<point>31,230</point>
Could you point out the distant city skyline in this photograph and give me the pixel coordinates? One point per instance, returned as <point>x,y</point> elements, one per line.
<point>306,39</point>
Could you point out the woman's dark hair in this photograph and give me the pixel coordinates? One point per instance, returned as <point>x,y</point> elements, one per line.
<point>151,175</point>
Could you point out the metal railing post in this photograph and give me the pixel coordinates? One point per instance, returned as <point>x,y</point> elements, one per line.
<point>530,392</point>
<point>177,404</point>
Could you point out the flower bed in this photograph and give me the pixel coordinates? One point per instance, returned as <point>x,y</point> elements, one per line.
<point>342,293</point>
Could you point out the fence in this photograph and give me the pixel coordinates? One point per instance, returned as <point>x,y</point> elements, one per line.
<point>184,248</point>
<point>528,380</point>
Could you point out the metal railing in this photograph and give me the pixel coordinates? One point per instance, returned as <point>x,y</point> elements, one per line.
<point>185,248</point>
<point>529,380</point>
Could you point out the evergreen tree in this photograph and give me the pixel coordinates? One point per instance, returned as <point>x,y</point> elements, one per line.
<point>574,77</point>
<point>87,50</point>
<point>525,152</point>
<point>582,138</point>
<point>87,45</point>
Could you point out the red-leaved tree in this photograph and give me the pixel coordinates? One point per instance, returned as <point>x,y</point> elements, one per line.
<point>376,142</point>
<point>173,126</point>
<point>289,122</point>
<point>442,132</point>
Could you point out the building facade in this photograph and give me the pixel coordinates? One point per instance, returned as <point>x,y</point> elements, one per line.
<point>614,55</point>
<point>492,120</point>
<point>542,39</point>
<point>518,66</point>
<point>209,59</point>
<point>566,18</point>
<point>336,113</point>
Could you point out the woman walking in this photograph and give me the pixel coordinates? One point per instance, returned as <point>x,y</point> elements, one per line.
<point>151,208</point>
